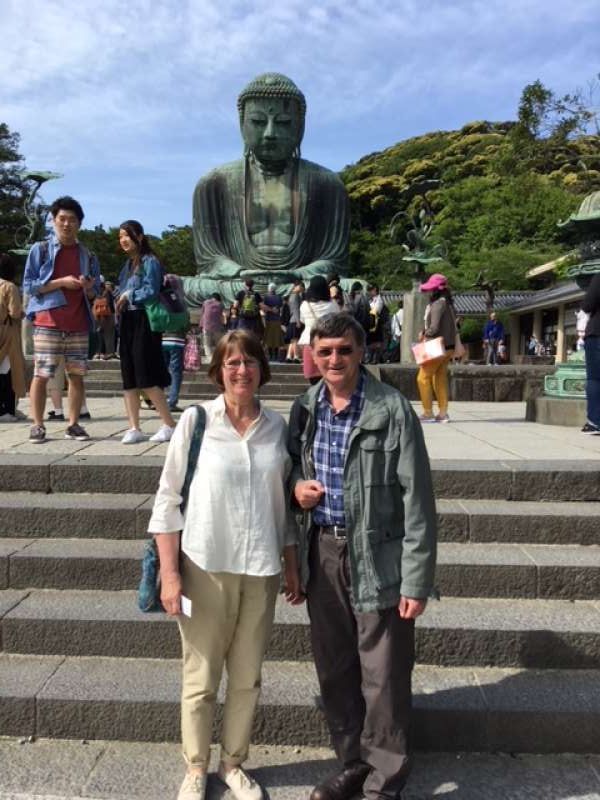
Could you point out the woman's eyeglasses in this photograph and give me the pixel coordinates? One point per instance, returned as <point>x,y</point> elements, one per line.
<point>236,363</point>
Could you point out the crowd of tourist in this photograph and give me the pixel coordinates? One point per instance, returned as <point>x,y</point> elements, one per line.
<point>78,315</point>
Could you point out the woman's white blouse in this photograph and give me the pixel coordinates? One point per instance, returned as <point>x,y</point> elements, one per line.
<point>311,313</point>
<point>237,518</point>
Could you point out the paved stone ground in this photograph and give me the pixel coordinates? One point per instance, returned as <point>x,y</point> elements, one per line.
<point>74,770</point>
<point>478,431</point>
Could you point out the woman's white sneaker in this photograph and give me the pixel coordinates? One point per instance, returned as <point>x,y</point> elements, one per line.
<point>193,787</point>
<point>163,434</point>
<point>242,786</point>
<point>133,436</point>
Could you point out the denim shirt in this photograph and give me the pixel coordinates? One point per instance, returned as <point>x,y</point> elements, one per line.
<point>143,285</point>
<point>39,269</point>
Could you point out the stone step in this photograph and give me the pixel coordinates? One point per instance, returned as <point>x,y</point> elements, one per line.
<point>198,378</point>
<point>72,769</point>
<point>568,572</point>
<point>554,481</point>
<point>191,392</point>
<point>529,633</point>
<point>277,368</point>
<point>483,710</point>
<point>108,515</point>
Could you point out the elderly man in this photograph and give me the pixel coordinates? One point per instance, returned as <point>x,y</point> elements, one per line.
<point>368,545</point>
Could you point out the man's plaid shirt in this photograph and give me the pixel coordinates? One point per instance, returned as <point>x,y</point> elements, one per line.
<point>329,452</point>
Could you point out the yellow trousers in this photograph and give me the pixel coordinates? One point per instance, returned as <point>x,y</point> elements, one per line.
<point>231,622</point>
<point>432,378</point>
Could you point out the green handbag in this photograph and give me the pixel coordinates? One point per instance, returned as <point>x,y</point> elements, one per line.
<point>167,312</point>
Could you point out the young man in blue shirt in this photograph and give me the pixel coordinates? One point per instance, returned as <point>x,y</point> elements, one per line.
<point>61,279</point>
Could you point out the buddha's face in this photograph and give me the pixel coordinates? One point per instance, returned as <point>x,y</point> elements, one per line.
<point>271,128</point>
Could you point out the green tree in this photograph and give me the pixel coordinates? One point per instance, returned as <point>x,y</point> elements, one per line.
<point>105,245</point>
<point>11,187</point>
<point>176,250</point>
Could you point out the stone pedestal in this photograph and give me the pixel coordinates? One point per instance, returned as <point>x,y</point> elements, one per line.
<point>568,411</point>
<point>414,304</point>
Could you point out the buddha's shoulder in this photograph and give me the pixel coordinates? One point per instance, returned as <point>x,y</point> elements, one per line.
<point>224,172</point>
<point>318,169</point>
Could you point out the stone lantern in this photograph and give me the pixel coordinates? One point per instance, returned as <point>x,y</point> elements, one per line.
<point>583,228</point>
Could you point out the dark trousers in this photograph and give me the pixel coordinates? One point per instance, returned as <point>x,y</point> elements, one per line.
<point>364,664</point>
<point>7,396</point>
<point>592,385</point>
<point>174,363</point>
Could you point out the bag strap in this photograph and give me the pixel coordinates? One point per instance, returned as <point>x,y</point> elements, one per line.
<point>193,453</point>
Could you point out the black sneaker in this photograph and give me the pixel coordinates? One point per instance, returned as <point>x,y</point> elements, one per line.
<point>176,409</point>
<point>56,416</point>
<point>37,434</point>
<point>85,415</point>
<point>589,428</point>
<point>76,432</point>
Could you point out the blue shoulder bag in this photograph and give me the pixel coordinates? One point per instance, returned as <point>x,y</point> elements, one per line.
<point>149,588</point>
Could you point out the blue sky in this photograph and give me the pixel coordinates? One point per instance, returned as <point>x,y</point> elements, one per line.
<point>134,101</point>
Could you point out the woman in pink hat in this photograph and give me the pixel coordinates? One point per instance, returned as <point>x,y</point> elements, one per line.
<point>440,320</point>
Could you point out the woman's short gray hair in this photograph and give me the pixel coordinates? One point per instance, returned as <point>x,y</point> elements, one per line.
<point>334,326</point>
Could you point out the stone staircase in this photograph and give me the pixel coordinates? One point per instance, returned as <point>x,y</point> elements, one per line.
<point>287,382</point>
<point>509,660</point>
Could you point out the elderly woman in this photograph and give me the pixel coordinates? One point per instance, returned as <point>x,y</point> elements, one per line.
<point>12,363</point>
<point>440,320</point>
<point>236,528</point>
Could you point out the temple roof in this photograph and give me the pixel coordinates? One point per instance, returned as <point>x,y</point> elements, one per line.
<point>563,293</point>
<point>589,211</point>
<point>474,303</point>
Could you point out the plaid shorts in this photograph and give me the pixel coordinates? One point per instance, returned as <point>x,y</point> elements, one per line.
<point>50,345</point>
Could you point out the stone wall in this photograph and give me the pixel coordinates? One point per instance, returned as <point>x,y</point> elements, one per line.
<point>506,383</point>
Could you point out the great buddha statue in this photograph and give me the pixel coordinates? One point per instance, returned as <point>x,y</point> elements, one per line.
<point>272,216</point>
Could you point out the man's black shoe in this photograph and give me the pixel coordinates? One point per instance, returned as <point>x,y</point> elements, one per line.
<point>343,786</point>
<point>589,428</point>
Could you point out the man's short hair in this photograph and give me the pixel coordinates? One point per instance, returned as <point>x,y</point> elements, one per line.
<point>334,326</point>
<point>67,203</point>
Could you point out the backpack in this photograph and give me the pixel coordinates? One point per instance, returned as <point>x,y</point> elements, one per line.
<point>359,308</point>
<point>101,308</point>
<point>149,588</point>
<point>373,320</point>
<point>379,321</point>
<point>249,307</point>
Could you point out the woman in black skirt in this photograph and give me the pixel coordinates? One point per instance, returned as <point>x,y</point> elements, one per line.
<point>142,363</point>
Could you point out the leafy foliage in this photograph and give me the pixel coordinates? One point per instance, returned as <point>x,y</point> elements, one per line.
<point>176,251</point>
<point>504,186</point>
<point>11,189</point>
<point>106,246</point>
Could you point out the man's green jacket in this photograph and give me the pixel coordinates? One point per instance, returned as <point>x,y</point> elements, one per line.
<point>389,504</point>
